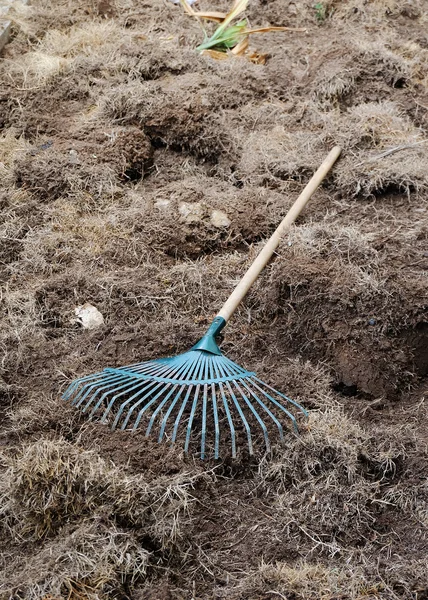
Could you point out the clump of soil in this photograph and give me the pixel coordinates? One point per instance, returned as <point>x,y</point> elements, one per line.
<point>142,177</point>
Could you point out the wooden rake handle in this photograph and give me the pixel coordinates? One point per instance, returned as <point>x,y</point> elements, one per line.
<point>271,245</point>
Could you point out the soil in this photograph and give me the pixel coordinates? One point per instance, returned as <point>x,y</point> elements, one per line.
<point>142,177</point>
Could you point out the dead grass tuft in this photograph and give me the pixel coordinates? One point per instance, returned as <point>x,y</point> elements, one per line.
<point>171,118</point>
<point>12,149</point>
<point>20,315</point>
<point>322,494</point>
<point>61,52</point>
<point>379,128</point>
<point>36,69</point>
<point>366,60</point>
<point>302,380</point>
<point>89,560</point>
<point>50,174</point>
<point>54,483</point>
<point>50,484</point>
<point>306,581</point>
<point>85,39</point>
<point>277,157</point>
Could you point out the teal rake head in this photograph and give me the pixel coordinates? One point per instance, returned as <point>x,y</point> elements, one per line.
<point>200,395</point>
<point>198,392</point>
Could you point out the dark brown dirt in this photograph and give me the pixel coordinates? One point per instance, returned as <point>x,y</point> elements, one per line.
<point>142,177</point>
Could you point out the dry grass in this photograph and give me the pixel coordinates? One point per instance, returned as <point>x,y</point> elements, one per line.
<point>60,52</point>
<point>365,131</point>
<point>118,144</point>
<point>352,258</point>
<point>380,126</point>
<point>12,149</point>
<point>20,315</point>
<point>51,174</point>
<point>95,519</point>
<point>322,493</point>
<point>89,560</point>
<point>307,581</point>
<point>52,483</point>
<point>85,40</point>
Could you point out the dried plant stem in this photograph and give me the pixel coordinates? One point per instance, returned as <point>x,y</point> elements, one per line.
<point>391,151</point>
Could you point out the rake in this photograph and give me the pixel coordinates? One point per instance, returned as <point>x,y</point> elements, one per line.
<point>199,393</point>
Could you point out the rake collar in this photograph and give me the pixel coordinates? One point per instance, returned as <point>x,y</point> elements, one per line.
<point>208,342</point>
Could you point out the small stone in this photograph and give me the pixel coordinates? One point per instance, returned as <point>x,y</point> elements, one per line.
<point>162,203</point>
<point>74,157</point>
<point>192,212</point>
<point>372,321</point>
<point>88,316</point>
<point>292,9</point>
<point>220,219</point>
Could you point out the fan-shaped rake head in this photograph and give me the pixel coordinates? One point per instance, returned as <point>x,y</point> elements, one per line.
<point>197,394</point>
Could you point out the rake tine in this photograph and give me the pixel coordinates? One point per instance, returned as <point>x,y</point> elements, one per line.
<point>177,420</point>
<point>199,375</point>
<point>235,369</point>
<point>194,372</point>
<point>244,420</point>
<point>229,419</point>
<point>128,385</point>
<point>150,384</point>
<point>147,366</point>
<point>238,407</point>
<point>106,380</point>
<point>87,381</point>
<point>140,386</point>
<point>293,402</point>
<point>149,404</point>
<point>272,416</point>
<point>279,405</point>
<point>192,414</point>
<point>148,395</point>
<point>256,414</point>
<point>164,370</point>
<point>216,423</point>
<point>159,408</point>
<point>215,411</point>
<point>188,375</point>
<point>204,420</point>
<point>204,409</point>
<point>169,411</point>
<point>75,384</point>
<point>227,410</point>
<point>164,362</point>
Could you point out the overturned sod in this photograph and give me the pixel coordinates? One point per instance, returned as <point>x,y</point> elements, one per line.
<point>118,143</point>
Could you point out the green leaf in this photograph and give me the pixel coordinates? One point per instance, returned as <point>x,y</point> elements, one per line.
<point>230,37</point>
<point>238,7</point>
